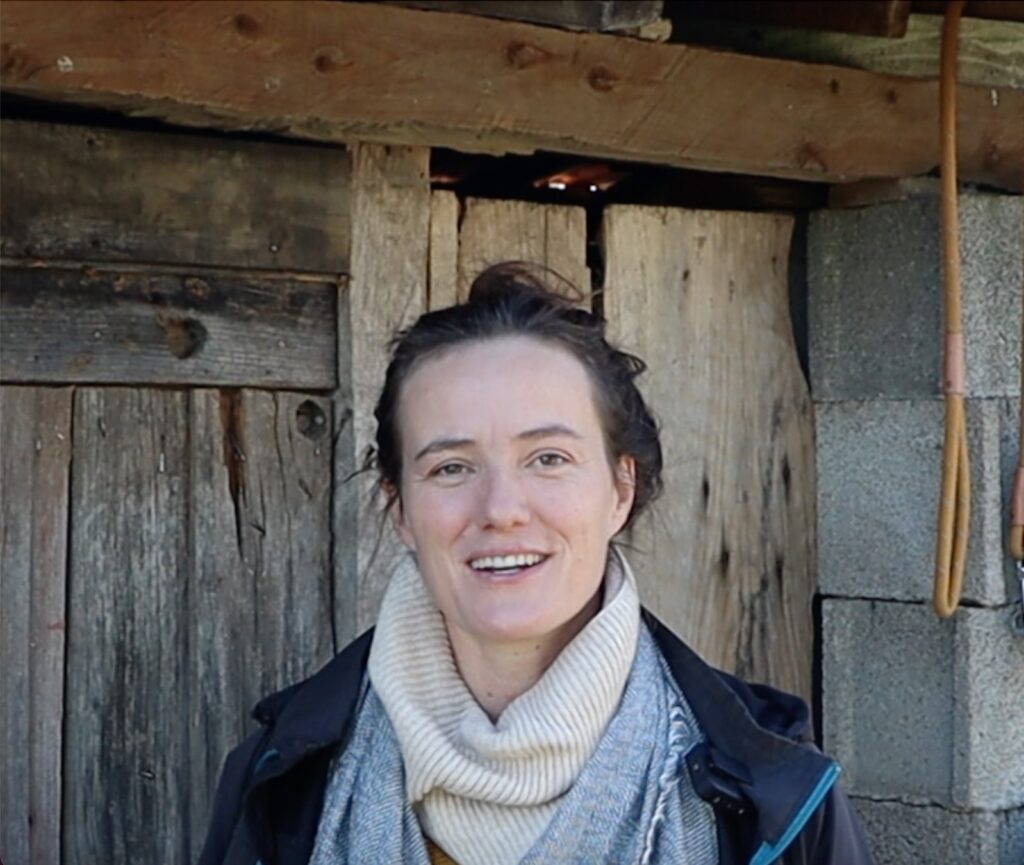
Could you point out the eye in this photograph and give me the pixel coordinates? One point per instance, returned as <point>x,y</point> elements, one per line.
<point>450,470</point>
<point>552,460</point>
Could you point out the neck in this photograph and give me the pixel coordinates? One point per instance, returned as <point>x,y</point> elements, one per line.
<point>496,673</point>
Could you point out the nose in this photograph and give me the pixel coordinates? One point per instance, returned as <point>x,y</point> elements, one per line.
<point>504,505</point>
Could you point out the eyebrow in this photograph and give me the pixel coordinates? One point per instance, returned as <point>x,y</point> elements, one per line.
<point>452,443</point>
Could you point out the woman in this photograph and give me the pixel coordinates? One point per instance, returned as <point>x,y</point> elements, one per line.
<point>515,704</point>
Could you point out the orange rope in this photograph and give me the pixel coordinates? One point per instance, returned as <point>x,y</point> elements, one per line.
<point>955,500</point>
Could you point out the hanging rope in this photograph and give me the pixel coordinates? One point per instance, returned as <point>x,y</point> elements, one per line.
<point>955,500</point>
<point>1017,501</point>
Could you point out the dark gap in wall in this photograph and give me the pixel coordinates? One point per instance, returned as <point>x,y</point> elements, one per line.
<point>816,663</point>
<point>558,178</point>
<point>798,291</point>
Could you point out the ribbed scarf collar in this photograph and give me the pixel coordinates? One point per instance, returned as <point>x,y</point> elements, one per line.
<point>463,771</point>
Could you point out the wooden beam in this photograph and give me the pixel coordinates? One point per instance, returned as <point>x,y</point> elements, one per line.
<point>601,15</point>
<point>990,53</point>
<point>361,71</point>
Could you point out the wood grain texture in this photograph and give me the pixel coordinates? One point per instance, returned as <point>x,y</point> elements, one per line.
<point>35,464</point>
<point>548,234</point>
<point>260,582</point>
<point>144,327</point>
<point>391,205</point>
<point>444,248</point>
<point>87,193</point>
<point>126,765</point>
<point>727,555</point>
<point>989,53</point>
<point>361,71</point>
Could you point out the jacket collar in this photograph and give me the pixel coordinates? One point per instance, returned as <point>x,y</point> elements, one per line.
<point>752,731</point>
<point>757,736</point>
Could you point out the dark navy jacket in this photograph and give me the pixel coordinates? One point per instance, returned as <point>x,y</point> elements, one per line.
<point>774,793</point>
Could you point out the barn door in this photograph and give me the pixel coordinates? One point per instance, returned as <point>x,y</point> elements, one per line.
<point>168,358</point>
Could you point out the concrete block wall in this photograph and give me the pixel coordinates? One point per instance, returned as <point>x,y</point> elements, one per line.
<point>926,716</point>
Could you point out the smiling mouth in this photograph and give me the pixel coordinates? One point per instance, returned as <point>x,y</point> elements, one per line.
<point>506,566</point>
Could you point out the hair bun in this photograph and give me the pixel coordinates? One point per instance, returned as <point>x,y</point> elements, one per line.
<point>525,280</point>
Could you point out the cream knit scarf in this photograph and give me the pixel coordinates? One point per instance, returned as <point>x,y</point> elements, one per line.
<point>483,791</point>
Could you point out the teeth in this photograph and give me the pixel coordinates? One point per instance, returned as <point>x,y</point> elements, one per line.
<point>505,563</point>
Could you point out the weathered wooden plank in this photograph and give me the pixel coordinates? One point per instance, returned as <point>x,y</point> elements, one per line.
<point>126,731</point>
<point>347,71</point>
<point>95,194</point>
<point>549,234</point>
<point>35,429</point>
<point>989,53</point>
<point>260,584</point>
<point>444,248</point>
<point>388,289</point>
<point>145,327</point>
<point>602,15</point>
<point>727,556</point>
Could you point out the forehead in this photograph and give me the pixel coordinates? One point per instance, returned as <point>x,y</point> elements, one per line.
<point>503,384</point>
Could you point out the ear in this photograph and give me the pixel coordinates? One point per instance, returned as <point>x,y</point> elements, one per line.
<point>625,488</point>
<point>398,520</point>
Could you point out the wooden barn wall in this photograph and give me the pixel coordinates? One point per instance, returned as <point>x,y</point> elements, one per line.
<point>193,342</point>
<point>169,362</point>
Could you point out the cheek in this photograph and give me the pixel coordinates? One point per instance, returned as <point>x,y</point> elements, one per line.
<point>435,518</point>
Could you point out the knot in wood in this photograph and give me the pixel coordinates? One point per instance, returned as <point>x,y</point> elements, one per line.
<point>184,336</point>
<point>810,158</point>
<point>602,79</point>
<point>330,59</point>
<point>16,63</point>
<point>523,55</point>
<point>310,419</point>
<point>247,26</point>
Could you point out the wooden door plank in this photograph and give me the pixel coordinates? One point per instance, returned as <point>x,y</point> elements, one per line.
<point>35,462</point>
<point>391,206</point>
<point>362,71</point>
<point>444,248</point>
<point>126,730</point>
<point>260,584</point>
<point>727,556</point>
<point>552,235</point>
<point>88,193</point>
<point>152,327</point>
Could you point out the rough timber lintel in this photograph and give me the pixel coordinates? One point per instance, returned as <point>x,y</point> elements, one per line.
<point>361,71</point>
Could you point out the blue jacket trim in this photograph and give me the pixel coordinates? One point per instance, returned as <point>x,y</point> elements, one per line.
<point>768,853</point>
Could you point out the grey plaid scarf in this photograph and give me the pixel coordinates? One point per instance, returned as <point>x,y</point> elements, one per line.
<point>631,803</point>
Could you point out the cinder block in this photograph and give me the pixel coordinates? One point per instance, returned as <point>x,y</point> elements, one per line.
<point>902,834</point>
<point>875,298</point>
<point>922,710</point>
<point>879,467</point>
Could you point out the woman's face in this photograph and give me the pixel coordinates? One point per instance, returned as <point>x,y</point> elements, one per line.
<point>507,495</point>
